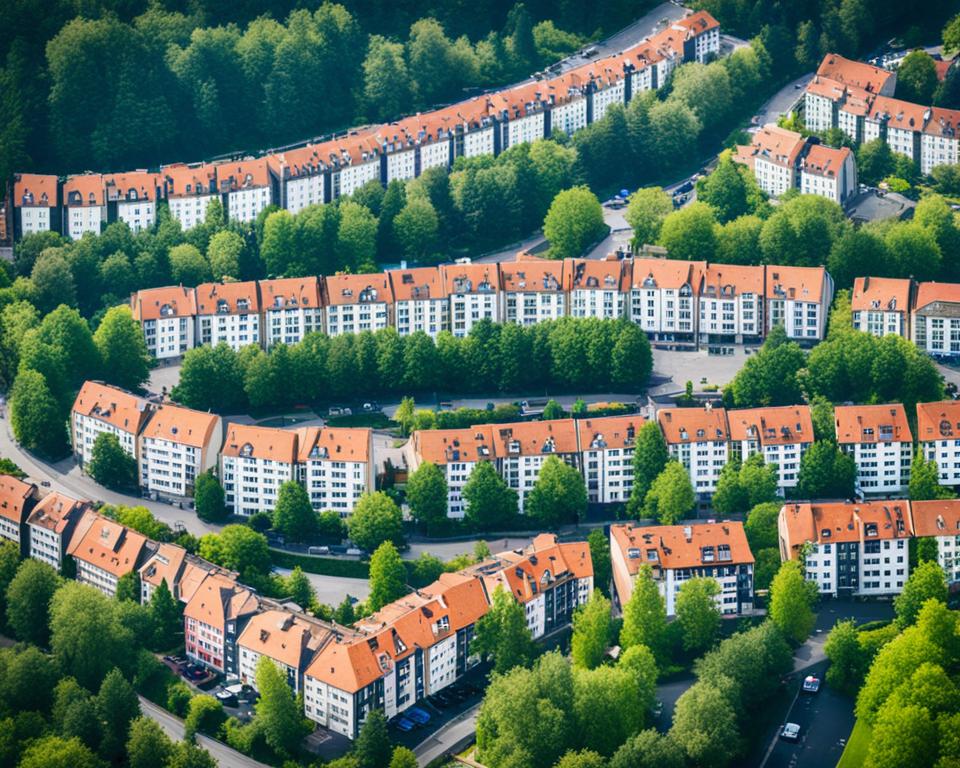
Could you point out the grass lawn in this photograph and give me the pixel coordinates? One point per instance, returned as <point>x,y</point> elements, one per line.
<point>376,420</point>
<point>856,750</point>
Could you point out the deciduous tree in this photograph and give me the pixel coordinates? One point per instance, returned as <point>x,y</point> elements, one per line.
<point>28,601</point>
<point>502,633</point>
<point>591,631</point>
<point>490,502</point>
<point>926,582</point>
<point>388,576</point>
<point>645,616</point>
<point>791,601</point>
<point>559,496</point>
<point>294,516</point>
<point>376,518</point>
<point>698,613</point>
<point>110,465</point>
<point>671,497</point>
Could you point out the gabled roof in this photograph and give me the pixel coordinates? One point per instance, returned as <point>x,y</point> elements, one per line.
<point>872,424</point>
<point>782,425</point>
<point>228,298</point>
<point>597,274</point>
<point>445,446</point>
<point>943,122</point>
<point>84,190</point>
<point>334,444</point>
<point>287,637</point>
<point>107,545</point>
<point>34,189</point>
<point>693,425</point>
<point>900,114</point>
<point>112,405</point>
<point>131,186</point>
<point>418,284</point>
<point>267,443</point>
<point>535,438</point>
<point>165,564</point>
<point>470,278</point>
<point>929,293</point>
<point>219,598</point>
<point>681,546</point>
<point>609,432</point>
<point>940,517</point>
<point>938,421</point>
<point>774,144</point>
<point>828,522</point>
<point>527,573</point>
<point>887,294</point>
<point>290,293</point>
<point>854,73</point>
<point>15,498</point>
<point>339,290</point>
<point>181,425</point>
<point>725,281</point>
<point>247,174</point>
<point>821,160</point>
<point>532,275</point>
<point>182,180</point>
<point>156,303</point>
<point>670,274</point>
<point>795,283</point>
<point>56,511</point>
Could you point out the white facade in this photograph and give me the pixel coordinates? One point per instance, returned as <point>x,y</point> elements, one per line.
<point>818,113</point>
<point>246,204</point>
<point>708,44</point>
<point>882,566</point>
<point>87,428</point>
<point>774,178</point>
<point>235,330</point>
<point>739,315</point>
<point>570,117</point>
<point>520,472</point>
<point>435,154</point>
<point>802,320</point>
<point>532,307</point>
<point>946,453</point>
<point>137,214</point>
<point>251,483</point>
<point>606,303</point>
<point>46,546</point>
<point>168,337</point>
<point>87,573</point>
<point>937,335</point>
<point>882,467</point>
<point>938,150</point>
<point>608,473</point>
<point>303,191</point>
<point>478,142</point>
<point>468,309</point>
<point>9,530</point>
<point>288,325</point>
<point>336,485</point>
<point>428,315</point>
<point>663,310</point>
<point>349,178</point>
<point>523,130</point>
<point>85,218</point>
<point>602,99</point>
<point>190,211</point>
<point>354,318</point>
<point>724,575</point>
<point>401,163</point>
<point>34,218</point>
<point>880,322</point>
<point>330,707</point>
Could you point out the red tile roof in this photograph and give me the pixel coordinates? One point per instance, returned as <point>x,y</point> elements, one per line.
<point>532,275</point>
<point>783,425</point>
<point>247,174</point>
<point>55,511</point>
<point>668,273</point>
<point>609,432</point>
<point>290,293</point>
<point>729,280</point>
<point>863,424</point>
<point>443,446</point>
<point>681,546</point>
<point>219,598</point>
<point>14,498</point>
<point>131,186</point>
<point>597,274</point>
<point>827,522</point>
<point>268,443</point>
<point>34,189</point>
<point>774,144</point>
<point>936,518</point>
<point>693,425</point>
<point>334,444</point>
<point>929,293</point>
<point>156,303</point>
<point>183,180</point>
<point>530,438</point>
<point>214,297</point>
<point>181,425</point>
<point>85,190</point>
<point>824,161</point>
<point>888,294</point>
<point>938,421</point>
<point>339,290</point>
<point>470,278</point>
<point>854,73</point>
<point>112,405</point>
<point>795,283</point>
<point>107,545</point>
<point>418,284</point>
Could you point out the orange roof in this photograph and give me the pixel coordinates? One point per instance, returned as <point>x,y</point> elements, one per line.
<point>599,274</point>
<point>135,185</point>
<point>900,114</point>
<point>55,511</point>
<point>784,425</point>
<point>14,495</point>
<point>670,274</point>
<point>532,275</point>
<point>928,293</point>
<point>795,283</point>
<point>156,303</point>
<point>773,144</point>
<point>880,293</point>
<point>729,280</point>
<point>228,298</point>
<point>524,572</point>
<point>872,424</point>
<point>609,432</point>
<point>692,425</point>
<point>855,73</point>
<point>681,546</point>
<point>109,546</point>
<point>351,664</point>
<point>943,68</point>
<point>698,22</point>
<point>417,284</point>
<point>112,405</point>
<point>290,293</point>
<point>943,122</point>
<point>85,190</point>
<point>164,565</point>
<point>461,597</point>
<point>827,522</point>
<point>267,443</point>
<point>183,180</point>
<point>443,446</point>
<point>247,174</point>
<point>219,598</point>
<point>829,89</point>
<point>284,636</point>
<point>34,189</point>
<point>339,290</point>
<point>824,161</point>
<point>334,444</point>
<point>938,421</point>
<point>181,425</point>
<point>195,570</point>
<point>535,438</point>
<point>940,517</point>
<point>470,278</point>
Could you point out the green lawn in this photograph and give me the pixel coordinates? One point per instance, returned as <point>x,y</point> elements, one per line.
<point>856,750</point>
<point>376,420</point>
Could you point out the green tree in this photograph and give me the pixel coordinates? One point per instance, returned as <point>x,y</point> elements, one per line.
<point>403,758</point>
<point>122,349</point>
<point>110,465</point>
<point>631,361</point>
<point>293,515</point>
<point>427,494</point>
<point>388,576</point>
<point>690,233</point>
<point>52,281</point>
<point>874,161</point>
<point>372,746</point>
<point>769,377</point>
<point>847,658</point>
<point>761,526</point>
<point>208,498</point>
<point>35,415</point>
<point>671,497</point>
<point>167,620</point>
<point>490,502</point>
<point>553,410</point>
<point>917,78</point>
<point>148,746</point>
<point>188,266</point>
<point>608,706</point>
<point>28,601</point>
<point>278,717</point>
<point>646,210</point>
<point>591,631</point>
<point>57,752</point>
<point>574,221</point>
<point>559,495</point>
<point>225,250</point>
<point>9,562</point>
<point>698,613</point>
<point>649,749</point>
<point>791,602</point>
<point>128,587</point>
<point>730,498</point>
<point>74,714</point>
<point>117,706</point>
<point>826,472</point>
<point>376,518</point>
<point>29,679</point>
<point>417,230</point>
<point>926,582</point>
<point>902,737</point>
<point>600,556</point>
<point>645,616</point>
<point>386,81</point>
<point>725,190</point>
<point>238,548</point>
<point>914,251</point>
<point>502,633</point>
<point>187,755</point>
<point>925,480</point>
<point>650,456</point>
<point>204,715</point>
<point>738,241</point>
<point>705,726</point>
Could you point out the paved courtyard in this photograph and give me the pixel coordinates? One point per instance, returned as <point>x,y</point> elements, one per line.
<point>672,370</point>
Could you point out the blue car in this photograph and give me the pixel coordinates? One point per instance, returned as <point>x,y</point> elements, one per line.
<point>405,725</point>
<point>420,716</point>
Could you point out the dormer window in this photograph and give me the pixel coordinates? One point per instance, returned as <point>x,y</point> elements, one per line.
<point>223,306</point>
<point>247,450</point>
<point>243,305</point>
<point>166,310</point>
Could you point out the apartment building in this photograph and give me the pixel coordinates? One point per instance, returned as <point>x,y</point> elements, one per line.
<point>879,439</point>
<point>177,445</point>
<point>213,620</point>
<point>474,291</point>
<point>533,290</point>
<point>228,313</point>
<point>849,548</point>
<point>774,157</point>
<point>896,122</point>
<point>165,563</point>
<point>102,408</point>
<point>291,309</point>
<point>703,33</point>
<point>335,465</point>
<point>940,520</point>
<point>168,319</point>
<point>798,298</point>
<point>940,141</point>
<point>254,463</point>
<point>699,439</point>
<point>598,288</point>
<point>837,80</point>
<point>17,500</point>
<point>676,553</point>
<point>54,520</point>
<point>36,204</point>
<point>247,187</point>
<point>456,452</point>
<point>420,301</point>
<point>731,304</point>
<point>356,303</point>
<point>881,306</point>
<point>189,190</point>
<point>828,172</point>
<point>522,447</point>
<point>606,447</point>
<point>938,436</point>
<point>780,434</point>
<point>135,196</point>
<point>935,318</point>
<point>105,551</point>
<point>663,300</point>
<point>84,207</point>
<point>290,640</point>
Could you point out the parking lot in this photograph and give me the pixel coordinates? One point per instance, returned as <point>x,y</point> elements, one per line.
<point>236,698</point>
<point>418,723</point>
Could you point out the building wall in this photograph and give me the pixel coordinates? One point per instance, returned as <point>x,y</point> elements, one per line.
<point>468,309</point>
<point>33,218</point>
<point>46,546</point>
<point>85,431</point>
<point>304,191</point>
<point>880,323</point>
<point>532,307</point>
<point>703,462</point>
<point>937,150</point>
<point>190,211</point>
<point>235,330</point>
<point>608,474</point>
<point>882,468</point>
<point>169,337</point>
<point>336,485</point>
<point>289,326</point>
<point>428,315</point>
<point>96,577</point>
<point>937,335</point>
<point>204,643</point>
<point>81,219</point>
<point>354,318</point>
<point>947,455</point>
<point>246,204</point>
<point>137,214</point>
<point>602,304</point>
<point>251,484</point>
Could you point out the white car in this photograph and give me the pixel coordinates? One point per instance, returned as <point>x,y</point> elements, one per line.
<point>790,732</point>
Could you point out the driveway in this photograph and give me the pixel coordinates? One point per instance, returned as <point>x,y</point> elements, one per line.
<point>331,590</point>
<point>782,101</point>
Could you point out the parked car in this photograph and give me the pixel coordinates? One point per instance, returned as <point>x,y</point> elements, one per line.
<point>226,698</point>
<point>371,407</point>
<point>318,550</point>
<point>790,732</point>
<point>405,725</point>
<point>811,684</point>
<point>419,716</point>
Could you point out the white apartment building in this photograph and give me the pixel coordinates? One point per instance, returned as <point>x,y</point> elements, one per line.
<point>288,639</point>
<point>606,445</point>
<point>570,115</point>
<point>798,298</point>
<point>105,551</point>
<point>474,292</point>
<point>166,563</point>
<point>135,195</point>
<point>291,309</point>
<point>935,318</point>
<point>50,526</point>
<point>213,620</point>
<point>663,299</point>
<point>858,548</point>
<point>773,156</point>
<point>101,408</point>
<point>356,303</point>
<point>335,465</point>
<point>731,304</point>
<point>456,452</point>
<point>17,500</point>
<point>938,436</point>
<point>254,463</point>
<point>880,306</point>
<point>177,445</point>
<point>705,33</point>
<point>829,173</point>
<point>247,187</point>
<point>85,209</point>
<point>168,319</point>
<point>940,142</point>
<point>35,203</point>
<point>533,290</point>
<point>780,434</point>
<point>940,520</point>
<point>676,553</point>
<point>878,438</point>
<point>699,439</point>
<point>521,448</point>
<point>189,190</point>
<point>228,313</point>
<point>420,301</point>
<point>598,288</point>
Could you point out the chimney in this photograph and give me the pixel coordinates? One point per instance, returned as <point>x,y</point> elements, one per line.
<point>688,533</point>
